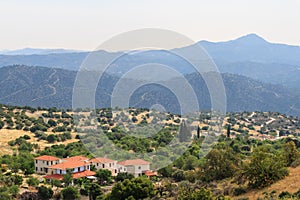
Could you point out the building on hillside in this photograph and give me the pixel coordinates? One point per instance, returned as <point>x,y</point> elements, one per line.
<point>80,166</point>
<point>42,163</point>
<point>105,163</point>
<point>136,167</point>
<point>55,168</point>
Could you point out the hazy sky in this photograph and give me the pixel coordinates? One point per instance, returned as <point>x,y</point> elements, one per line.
<point>75,24</point>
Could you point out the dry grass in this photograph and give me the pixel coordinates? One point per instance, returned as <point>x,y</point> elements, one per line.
<point>290,184</point>
<point>8,135</point>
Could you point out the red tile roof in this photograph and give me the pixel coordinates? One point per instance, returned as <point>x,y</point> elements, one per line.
<point>102,160</point>
<point>54,176</point>
<point>47,158</point>
<point>75,158</point>
<point>69,165</point>
<point>150,173</point>
<point>133,162</point>
<point>84,174</point>
<point>75,175</point>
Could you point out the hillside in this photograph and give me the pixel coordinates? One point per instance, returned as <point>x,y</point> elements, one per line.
<point>51,87</point>
<point>289,184</point>
<point>270,137</point>
<point>249,55</point>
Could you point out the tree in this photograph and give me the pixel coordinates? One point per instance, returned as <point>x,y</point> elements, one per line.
<point>31,181</point>
<point>136,188</point>
<point>45,193</point>
<point>265,168</point>
<point>55,182</point>
<point>228,131</point>
<point>184,133</point>
<point>18,180</point>
<point>67,178</point>
<point>198,131</point>
<point>14,190</point>
<point>289,152</point>
<point>52,123</point>
<point>94,191</point>
<point>104,176</point>
<point>70,193</point>
<point>51,138</point>
<point>220,164</point>
<point>122,176</point>
<point>187,193</point>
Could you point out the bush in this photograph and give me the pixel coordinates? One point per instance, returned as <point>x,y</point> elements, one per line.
<point>45,193</point>
<point>70,193</point>
<point>136,188</point>
<point>51,138</point>
<point>265,168</point>
<point>238,191</point>
<point>31,181</point>
<point>296,163</point>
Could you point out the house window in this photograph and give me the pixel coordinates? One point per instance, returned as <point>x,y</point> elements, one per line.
<point>139,167</point>
<point>109,164</point>
<point>47,162</point>
<point>41,169</point>
<point>97,164</point>
<point>103,165</point>
<point>36,161</point>
<point>36,169</point>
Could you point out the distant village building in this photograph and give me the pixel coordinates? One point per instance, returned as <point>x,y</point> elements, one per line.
<point>80,166</point>
<point>105,163</point>
<point>42,163</point>
<point>55,168</point>
<point>135,167</point>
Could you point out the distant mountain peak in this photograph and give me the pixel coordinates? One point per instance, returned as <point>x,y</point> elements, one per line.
<point>251,39</point>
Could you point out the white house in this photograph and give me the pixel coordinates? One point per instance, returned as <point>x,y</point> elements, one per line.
<point>136,167</point>
<point>105,163</point>
<point>42,163</point>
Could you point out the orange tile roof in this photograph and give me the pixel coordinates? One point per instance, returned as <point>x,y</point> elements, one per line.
<point>69,165</point>
<point>75,175</point>
<point>133,162</point>
<point>47,158</point>
<point>75,158</point>
<point>102,160</point>
<point>84,174</point>
<point>54,176</point>
<point>150,173</point>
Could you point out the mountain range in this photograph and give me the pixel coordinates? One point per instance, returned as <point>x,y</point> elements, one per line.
<point>52,87</point>
<point>250,56</point>
<point>32,51</point>
<point>258,76</point>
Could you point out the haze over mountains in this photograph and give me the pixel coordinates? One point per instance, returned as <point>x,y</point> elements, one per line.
<point>250,55</point>
<point>258,75</point>
<point>32,51</point>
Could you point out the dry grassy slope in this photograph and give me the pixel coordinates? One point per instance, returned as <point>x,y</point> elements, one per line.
<point>8,135</point>
<point>291,183</point>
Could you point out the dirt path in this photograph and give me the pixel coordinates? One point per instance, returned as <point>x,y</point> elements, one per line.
<point>52,86</point>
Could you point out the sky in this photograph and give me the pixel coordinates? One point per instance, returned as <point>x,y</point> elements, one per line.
<point>84,25</point>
